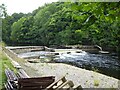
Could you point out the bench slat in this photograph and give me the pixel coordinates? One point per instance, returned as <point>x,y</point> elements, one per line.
<point>37,82</point>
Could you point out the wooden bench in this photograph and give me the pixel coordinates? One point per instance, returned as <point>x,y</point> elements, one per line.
<point>11,80</point>
<point>37,83</point>
<point>23,82</point>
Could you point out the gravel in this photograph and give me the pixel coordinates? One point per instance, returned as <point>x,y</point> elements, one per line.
<point>85,78</point>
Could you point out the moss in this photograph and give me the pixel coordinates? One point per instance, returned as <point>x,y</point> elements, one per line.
<point>113,89</point>
<point>2,44</point>
<point>96,82</point>
<point>86,81</point>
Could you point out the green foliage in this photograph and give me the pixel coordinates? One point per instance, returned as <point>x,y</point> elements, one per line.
<point>21,30</point>
<point>3,11</point>
<point>17,30</point>
<point>64,23</point>
<point>6,29</point>
<point>7,22</point>
<point>2,44</point>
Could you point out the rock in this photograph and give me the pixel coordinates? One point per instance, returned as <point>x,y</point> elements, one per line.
<point>56,53</point>
<point>33,61</point>
<point>68,52</point>
<point>49,49</point>
<point>103,52</point>
<point>98,47</point>
<point>80,51</point>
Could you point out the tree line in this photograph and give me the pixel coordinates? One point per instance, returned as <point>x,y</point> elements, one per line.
<point>65,23</point>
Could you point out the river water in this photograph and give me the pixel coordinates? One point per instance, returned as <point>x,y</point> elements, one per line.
<point>102,63</point>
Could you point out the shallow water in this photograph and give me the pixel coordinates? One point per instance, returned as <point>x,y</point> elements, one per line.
<point>106,64</point>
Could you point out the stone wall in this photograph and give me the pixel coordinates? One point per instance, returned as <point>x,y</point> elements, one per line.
<point>25,49</point>
<point>13,55</point>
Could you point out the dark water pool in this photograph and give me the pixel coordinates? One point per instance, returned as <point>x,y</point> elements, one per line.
<point>106,64</point>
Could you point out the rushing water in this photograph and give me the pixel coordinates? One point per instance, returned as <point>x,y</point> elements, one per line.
<point>32,54</point>
<point>105,64</point>
<point>102,63</point>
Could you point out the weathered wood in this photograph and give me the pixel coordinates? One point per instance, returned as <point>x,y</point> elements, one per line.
<point>10,75</point>
<point>31,88</point>
<point>35,83</point>
<point>20,75</point>
<point>11,78</point>
<point>79,88</point>
<point>50,87</point>
<point>24,82</point>
<point>9,84</point>
<point>23,74</point>
<point>70,83</point>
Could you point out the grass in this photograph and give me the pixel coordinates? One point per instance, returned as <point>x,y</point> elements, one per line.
<point>96,82</point>
<point>4,62</point>
<point>95,69</point>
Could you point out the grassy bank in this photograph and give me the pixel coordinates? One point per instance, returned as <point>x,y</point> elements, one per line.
<point>4,63</point>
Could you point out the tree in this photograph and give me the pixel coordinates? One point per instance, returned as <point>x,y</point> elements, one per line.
<point>6,29</point>
<point>3,11</point>
<point>65,23</point>
<point>17,34</point>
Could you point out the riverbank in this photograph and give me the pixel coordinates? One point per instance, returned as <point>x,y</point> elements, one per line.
<point>85,78</point>
<point>4,63</point>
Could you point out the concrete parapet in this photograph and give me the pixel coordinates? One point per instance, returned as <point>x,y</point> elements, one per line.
<point>12,55</point>
<point>24,49</point>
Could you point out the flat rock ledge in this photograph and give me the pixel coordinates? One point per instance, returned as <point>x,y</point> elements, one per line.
<point>85,78</point>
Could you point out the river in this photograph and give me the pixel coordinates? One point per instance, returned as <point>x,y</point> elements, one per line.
<point>102,63</point>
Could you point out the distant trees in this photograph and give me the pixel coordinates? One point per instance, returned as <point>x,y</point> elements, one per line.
<point>6,29</point>
<point>3,11</point>
<point>64,23</point>
<point>2,14</point>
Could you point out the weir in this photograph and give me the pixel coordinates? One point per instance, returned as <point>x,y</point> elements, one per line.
<point>35,69</point>
<point>104,63</point>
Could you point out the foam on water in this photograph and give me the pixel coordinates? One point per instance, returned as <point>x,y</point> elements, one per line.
<point>104,63</point>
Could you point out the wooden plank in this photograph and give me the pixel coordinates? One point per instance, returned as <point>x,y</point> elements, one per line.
<point>20,75</point>
<point>35,83</point>
<point>10,85</point>
<point>38,82</point>
<point>37,78</point>
<point>11,78</point>
<point>24,73</point>
<point>10,75</point>
<point>31,88</point>
<point>63,79</point>
<point>70,83</point>
<point>7,86</point>
<point>79,87</point>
